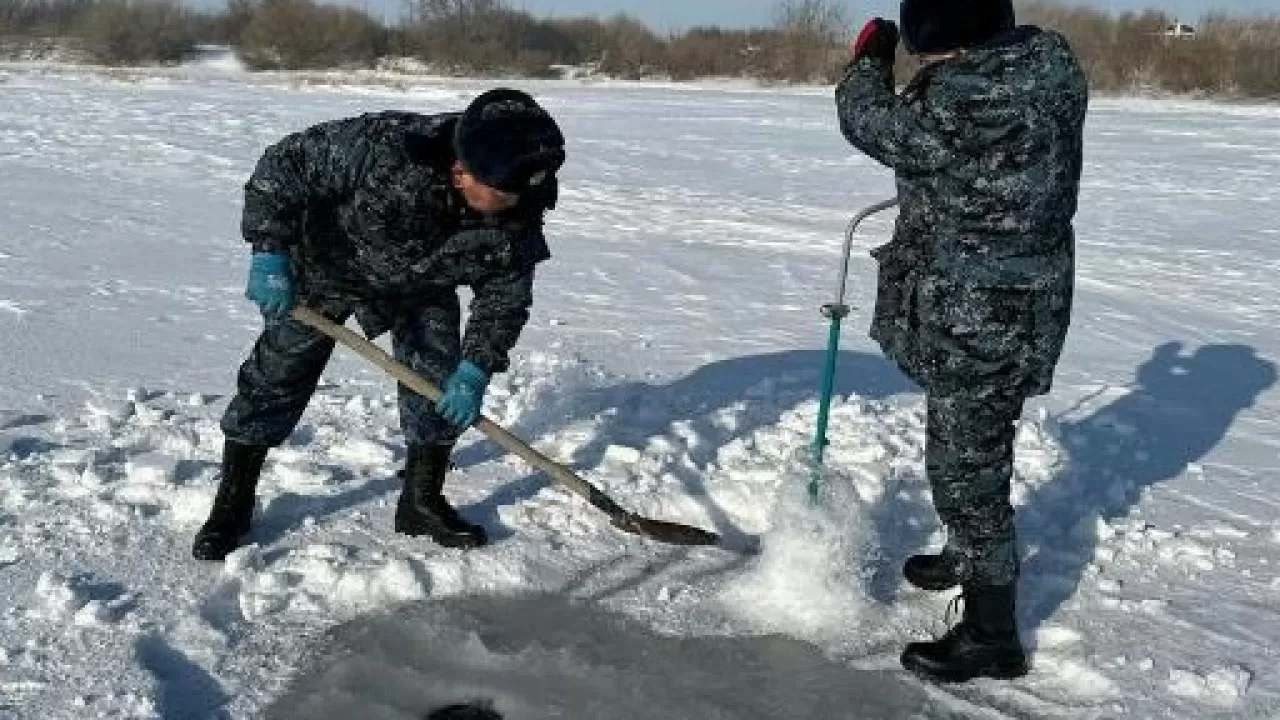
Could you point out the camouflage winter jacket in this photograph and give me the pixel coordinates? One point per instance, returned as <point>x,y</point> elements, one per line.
<point>975,288</point>
<point>367,209</point>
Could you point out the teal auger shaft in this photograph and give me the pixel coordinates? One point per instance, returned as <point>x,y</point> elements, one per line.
<point>820,440</point>
<point>837,311</point>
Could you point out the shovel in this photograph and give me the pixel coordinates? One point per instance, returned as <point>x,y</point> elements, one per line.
<point>665,532</point>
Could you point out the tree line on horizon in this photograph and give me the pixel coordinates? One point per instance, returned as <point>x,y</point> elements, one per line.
<point>807,42</point>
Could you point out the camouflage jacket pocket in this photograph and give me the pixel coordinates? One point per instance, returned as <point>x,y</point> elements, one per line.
<point>976,335</point>
<point>894,324</point>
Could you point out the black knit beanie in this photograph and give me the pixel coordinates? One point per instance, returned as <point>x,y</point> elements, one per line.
<point>508,141</point>
<point>938,26</point>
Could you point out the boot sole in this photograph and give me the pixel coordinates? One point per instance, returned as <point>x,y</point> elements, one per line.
<point>932,587</point>
<point>994,672</point>
<point>461,544</point>
<point>209,554</point>
<point>201,551</point>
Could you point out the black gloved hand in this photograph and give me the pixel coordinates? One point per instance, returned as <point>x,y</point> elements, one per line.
<point>878,39</point>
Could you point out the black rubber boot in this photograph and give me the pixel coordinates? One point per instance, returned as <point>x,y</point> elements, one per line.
<point>984,644</point>
<point>934,572</point>
<point>423,509</point>
<point>232,510</point>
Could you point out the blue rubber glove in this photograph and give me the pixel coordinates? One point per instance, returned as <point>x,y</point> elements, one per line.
<point>463,395</point>
<point>271,285</point>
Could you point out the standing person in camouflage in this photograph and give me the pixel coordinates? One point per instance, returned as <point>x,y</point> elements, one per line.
<point>383,216</point>
<point>975,288</point>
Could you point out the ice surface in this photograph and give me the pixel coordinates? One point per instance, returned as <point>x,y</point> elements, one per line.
<point>542,657</point>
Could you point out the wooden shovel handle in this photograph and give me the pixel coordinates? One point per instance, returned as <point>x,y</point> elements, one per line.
<point>410,379</point>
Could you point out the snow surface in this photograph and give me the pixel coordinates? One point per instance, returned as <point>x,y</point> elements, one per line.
<point>672,358</point>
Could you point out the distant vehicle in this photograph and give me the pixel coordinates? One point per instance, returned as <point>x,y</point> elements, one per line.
<point>1180,30</point>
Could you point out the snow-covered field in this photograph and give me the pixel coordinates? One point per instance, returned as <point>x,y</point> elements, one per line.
<point>672,358</point>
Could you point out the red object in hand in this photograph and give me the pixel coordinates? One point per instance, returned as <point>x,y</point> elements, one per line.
<point>879,38</point>
<point>868,31</point>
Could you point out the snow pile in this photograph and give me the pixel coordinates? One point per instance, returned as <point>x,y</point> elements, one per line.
<point>1224,687</point>
<point>62,600</point>
<point>215,59</point>
<point>807,581</point>
<point>321,581</point>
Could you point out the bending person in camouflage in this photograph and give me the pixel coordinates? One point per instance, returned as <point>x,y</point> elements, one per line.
<point>975,288</point>
<point>383,216</point>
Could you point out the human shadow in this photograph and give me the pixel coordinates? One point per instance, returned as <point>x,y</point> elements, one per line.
<point>117,598</point>
<point>903,522</point>
<point>187,691</point>
<point>288,511</point>
<point>486,512</point>
<point>24,420</point>
<point>1180,408</point>
<point>24,447</point>
<point>698,414</point>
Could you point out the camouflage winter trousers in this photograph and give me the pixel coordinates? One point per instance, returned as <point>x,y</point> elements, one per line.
<point>969,459</point>
<point>277,381</point>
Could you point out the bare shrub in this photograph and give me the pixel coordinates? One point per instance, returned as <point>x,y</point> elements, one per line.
<point>808,42</point>
<point>479,37</point>
<point>631,50</point>
<point>715,52</point>
<point>301,34</point>
<point>119,32</point>
<point>1247,52</point>
<point>40,18</point>
<point>1132,53</point>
